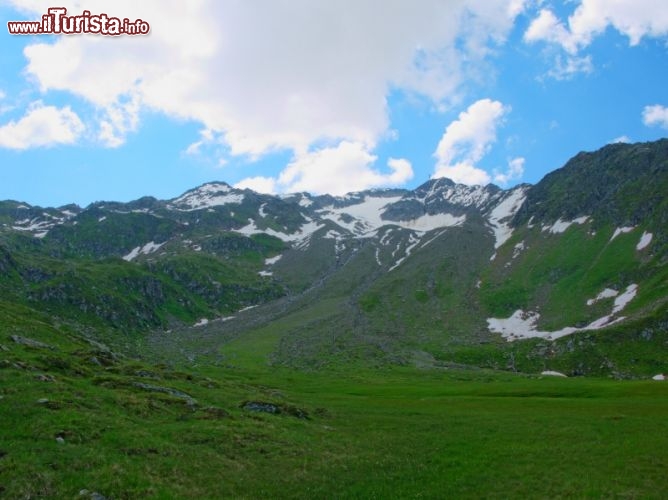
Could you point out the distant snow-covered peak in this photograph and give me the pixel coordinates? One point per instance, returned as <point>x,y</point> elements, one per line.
<point>442,189</point>
<point>208,195</point>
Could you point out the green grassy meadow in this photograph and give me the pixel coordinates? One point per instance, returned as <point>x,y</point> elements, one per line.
<point>345,432</point>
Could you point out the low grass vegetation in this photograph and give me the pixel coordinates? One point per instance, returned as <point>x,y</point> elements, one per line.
<point>78,416</point>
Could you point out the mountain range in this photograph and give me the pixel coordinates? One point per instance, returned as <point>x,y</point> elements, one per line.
<point>569,274</point>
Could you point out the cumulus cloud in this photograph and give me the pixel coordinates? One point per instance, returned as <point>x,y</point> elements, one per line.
<point>337,170</point>
<point>318,74</point>
<point>655,115</point>
<point>634,18</point>
<point>547,27</point>
<point>467,140</point>
<point>463,173</point>
<point>514,171</point>
<point>259,184</point>
<point>118,120</point>
<point>42,126</point>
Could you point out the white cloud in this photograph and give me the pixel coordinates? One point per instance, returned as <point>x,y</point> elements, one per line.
<point>547,28</point>
<point>319,72</point>
<point>258,184</point>
<point>568,67</point>
<point>514,171</point>
<point>634,18</point>
<point>119,119</point>
<point>463,173</point>
<point>623,139</point>
<point>337,170</point>
<point>467,140</point>
<point>655,115</point>
<point>42,126</point>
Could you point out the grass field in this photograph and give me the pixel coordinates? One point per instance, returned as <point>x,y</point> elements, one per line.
<point>129,429</point>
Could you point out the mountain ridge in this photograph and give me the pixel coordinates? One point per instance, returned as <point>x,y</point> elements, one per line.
<point>444,269</point>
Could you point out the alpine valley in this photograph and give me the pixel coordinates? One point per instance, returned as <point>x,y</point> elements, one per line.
<point>395,338</point>
<point>570,274</point>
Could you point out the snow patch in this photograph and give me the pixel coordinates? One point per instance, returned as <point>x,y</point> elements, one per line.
<point>305,202</point>
<point>625,298</point>
<point>659,377</point>
<point>39,227</point>
<point>265,273</point>
<point>366,214</point>
<point>300,236</point>
<point>605,294</point>
<point>621,230</point>
<point>645,240</point>
<point>500,217</point>
<point>367,217</point>
<point>150,247</point>
<point>551,373</point>
<point>560,226</point>
<point>413,241</point>
<point>272,260</point>
<point>332,235</point>
<point>202,322</point>
<point>517,249</point>
<point>104,217</point>
<point>522,325</point>
<point>430,222</point>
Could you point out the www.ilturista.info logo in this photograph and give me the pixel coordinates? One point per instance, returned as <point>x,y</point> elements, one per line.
<point>57,22</point>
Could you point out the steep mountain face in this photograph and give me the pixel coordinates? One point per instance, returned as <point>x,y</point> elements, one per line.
<point>563,273</point>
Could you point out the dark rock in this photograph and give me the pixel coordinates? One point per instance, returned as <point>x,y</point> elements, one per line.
<point>273,409</point>
<point>167,390</point>
<point>43,377</point>
<point>31,342</point>
<point>92,495</point>
<point>259,406</point>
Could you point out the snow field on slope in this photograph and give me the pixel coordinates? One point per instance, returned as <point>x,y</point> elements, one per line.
<point>522,325</point>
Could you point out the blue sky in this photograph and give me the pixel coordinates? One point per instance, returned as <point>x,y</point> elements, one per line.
<point>323,96</point>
